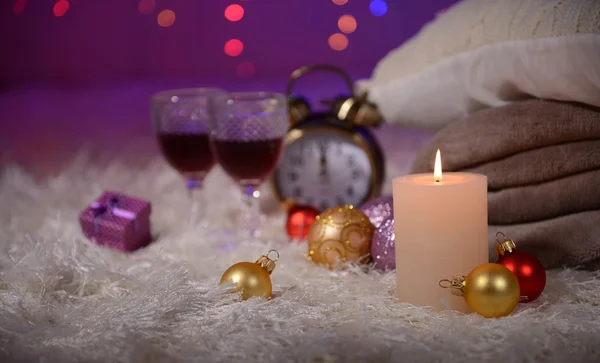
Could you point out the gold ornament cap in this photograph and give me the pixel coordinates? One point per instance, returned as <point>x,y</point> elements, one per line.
<point>456,285</point>
<point>505,245</point>
<point>268,264</point>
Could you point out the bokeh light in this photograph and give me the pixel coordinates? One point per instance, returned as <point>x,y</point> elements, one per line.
<point>347,24</point>
<point>166,18</point>
<point>19,6</point>
<point>234,12</point>
<point>378,7</point>
<point>60,8</point>
<point>146,6</point>
<point>338,41</point>
<point>245,69</point>
<point>234,47</point>
<point>339,2</point>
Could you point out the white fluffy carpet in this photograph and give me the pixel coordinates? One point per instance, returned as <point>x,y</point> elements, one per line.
<point>63,299</point>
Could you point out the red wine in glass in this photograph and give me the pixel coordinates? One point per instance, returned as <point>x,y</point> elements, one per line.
<point>250,160</point>
<point>247,140</point>
<point>188,153</point>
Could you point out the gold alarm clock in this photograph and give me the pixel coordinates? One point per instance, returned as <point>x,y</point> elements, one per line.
<point>330,158</point>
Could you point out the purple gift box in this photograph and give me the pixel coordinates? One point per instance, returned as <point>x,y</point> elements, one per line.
<point>117,221</point>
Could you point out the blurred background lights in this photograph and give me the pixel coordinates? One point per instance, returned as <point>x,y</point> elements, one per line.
<point>339,2</point>
<point>347,24</point>
<point>378,7</point>
<point>245,69</point>
<point>338,41</point>
<point>60,8</point>
<point>166,18</point>
<point>234,47</point>
<point>19,6</point>
<point>146,6</point>
<point>234,12</point>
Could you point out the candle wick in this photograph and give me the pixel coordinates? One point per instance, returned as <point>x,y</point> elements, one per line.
<point>437,180</point>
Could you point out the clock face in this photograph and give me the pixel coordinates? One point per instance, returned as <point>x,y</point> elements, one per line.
<point>324,169</point>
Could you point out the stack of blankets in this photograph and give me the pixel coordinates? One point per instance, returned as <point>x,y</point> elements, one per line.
<point>542,161</point>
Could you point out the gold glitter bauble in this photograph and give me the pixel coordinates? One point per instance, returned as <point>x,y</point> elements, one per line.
<point>338,235</point>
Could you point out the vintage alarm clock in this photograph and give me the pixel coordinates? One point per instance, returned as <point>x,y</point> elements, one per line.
<point>330,158</point>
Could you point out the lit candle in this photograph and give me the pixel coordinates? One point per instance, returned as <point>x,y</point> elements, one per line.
<point>441,231</point>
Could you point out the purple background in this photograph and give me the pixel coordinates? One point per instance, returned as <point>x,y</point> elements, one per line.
<point>84,79</point>
<point>110,40</point>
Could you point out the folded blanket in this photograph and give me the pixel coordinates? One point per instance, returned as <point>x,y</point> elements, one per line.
<point>541,165</point>
<point>571,240</point>
<point>496,133</point>
<point>572,194</point>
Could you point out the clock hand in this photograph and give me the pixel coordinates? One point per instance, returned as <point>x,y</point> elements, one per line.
<point>324,174</point>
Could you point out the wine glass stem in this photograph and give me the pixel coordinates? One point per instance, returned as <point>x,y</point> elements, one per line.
<point>197,201</point>
<point>251,216</point>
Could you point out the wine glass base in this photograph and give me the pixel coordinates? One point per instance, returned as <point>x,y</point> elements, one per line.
<point>250,219</point>
<point>197,201</point>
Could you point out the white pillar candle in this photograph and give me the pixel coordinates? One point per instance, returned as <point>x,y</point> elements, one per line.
<point>441,231</point>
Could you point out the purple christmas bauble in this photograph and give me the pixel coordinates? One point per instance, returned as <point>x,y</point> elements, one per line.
<point>383,246</point>
<point>378,209</point>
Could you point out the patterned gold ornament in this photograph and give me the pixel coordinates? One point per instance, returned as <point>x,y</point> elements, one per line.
<point>338,235</point>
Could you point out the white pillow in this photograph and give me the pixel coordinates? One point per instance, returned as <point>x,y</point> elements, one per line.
<point>486,53</point>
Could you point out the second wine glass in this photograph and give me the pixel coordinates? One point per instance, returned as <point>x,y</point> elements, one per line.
<point>246,137</point>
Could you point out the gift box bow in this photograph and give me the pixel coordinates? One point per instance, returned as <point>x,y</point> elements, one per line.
<point>108,209</point>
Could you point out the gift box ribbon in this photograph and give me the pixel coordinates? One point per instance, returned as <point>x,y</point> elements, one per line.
<point>101,210</point>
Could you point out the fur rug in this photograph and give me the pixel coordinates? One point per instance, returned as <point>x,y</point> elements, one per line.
<point>63,299</point>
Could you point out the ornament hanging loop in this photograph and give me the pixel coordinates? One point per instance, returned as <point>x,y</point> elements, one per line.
<point>456,285</point>
<point>505,245</point>
<point>274,251</point>
<point>445,284</point>
<point>498,234</point>
<point>268,264</point>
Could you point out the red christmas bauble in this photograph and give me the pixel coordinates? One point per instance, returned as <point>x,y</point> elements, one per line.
<point>529,272</point>
<point>299,219</point>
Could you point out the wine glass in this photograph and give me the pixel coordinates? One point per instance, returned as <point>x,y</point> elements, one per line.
<point>246,136</point>
<point>180,120</point>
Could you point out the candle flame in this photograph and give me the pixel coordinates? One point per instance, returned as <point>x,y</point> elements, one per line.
<point>437,170</point>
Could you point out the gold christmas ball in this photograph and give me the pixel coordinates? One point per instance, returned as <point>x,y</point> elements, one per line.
<point>251,278</point>
<point>491,290</point>
<point>338,235</point>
